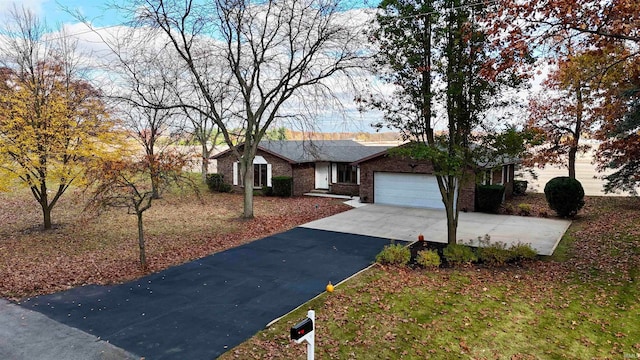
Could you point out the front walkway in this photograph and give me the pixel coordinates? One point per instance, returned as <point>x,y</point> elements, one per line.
<point>398,223</point>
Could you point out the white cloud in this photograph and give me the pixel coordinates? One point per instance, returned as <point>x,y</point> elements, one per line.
<point>34,5</point>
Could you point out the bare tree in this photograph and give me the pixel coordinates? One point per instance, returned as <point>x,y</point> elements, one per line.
<point>206,133</point>
<point>154,128</point>
<point>263,55</point>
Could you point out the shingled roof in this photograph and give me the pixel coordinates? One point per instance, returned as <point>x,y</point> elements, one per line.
<point>299,151</point>
<point>321,150</point>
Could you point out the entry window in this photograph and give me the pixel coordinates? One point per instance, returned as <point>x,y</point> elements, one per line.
<point>259,175</point>
<point>347,173</point>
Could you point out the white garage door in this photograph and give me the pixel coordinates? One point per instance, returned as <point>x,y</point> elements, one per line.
<point>412,190</point>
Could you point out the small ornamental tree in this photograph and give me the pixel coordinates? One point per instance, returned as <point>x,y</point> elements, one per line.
<point>565,195</point>
<point>129,183</point>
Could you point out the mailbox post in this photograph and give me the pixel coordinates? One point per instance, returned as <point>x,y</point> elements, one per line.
<point>305,331</point>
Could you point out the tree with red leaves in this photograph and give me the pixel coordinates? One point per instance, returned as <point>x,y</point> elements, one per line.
<point>134,183</point>
<point>574,103</point>
<point>620,147</point>
<point>606,38</point>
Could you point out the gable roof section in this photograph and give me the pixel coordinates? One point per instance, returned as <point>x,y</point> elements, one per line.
<point>321,150</point>
<point>306,151</point>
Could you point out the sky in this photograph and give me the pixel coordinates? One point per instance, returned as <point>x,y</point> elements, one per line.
<point>56,14</point>
<point>53,11</point>
<point>98,12</point>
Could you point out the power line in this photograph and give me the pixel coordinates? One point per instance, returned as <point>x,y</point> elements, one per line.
<point>492,2</point>
<point>90,30</point>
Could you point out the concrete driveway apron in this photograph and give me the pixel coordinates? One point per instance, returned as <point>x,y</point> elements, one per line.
<point>400,223</point>
<point>203,308</point>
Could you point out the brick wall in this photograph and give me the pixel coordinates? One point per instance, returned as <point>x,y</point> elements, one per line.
<point>397,165</point>
<point>279,167</point>
<point>508,187</point>
<point>304,179</point>
<point>345,189</point>
<point>225,167</point>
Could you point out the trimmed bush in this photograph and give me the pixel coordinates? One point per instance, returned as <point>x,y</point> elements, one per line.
<point>520,187</point>
<point>495,253</point>
<point>524,209</point>
<point>267,191</point>
<point>215,182</point>
<point>428,258</point>
<point>282,186</point>
<point>489,198</point>
<point>394,254</point>
<point>565,195</point>
<point>523,251</point>
<point>459,254</point>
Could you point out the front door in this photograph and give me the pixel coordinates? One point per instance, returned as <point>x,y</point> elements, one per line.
<point>322,175</point>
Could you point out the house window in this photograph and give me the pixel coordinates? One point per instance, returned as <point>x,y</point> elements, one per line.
<point>259,175</point>
<point>487,177</point>
<point>505,174</point>
<point>347,173</point>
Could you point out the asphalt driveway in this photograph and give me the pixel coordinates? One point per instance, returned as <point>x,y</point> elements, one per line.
<point>399,223</point>
<point>203,308</point>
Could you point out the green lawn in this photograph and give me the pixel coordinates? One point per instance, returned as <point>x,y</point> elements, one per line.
<point>583,303</point>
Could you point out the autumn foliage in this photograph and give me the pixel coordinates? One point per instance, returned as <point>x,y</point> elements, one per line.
<point>580,95</point>
<point>135,183</point>
<point>102,250</point>
<point>593,49</point>
<point>52,128</point>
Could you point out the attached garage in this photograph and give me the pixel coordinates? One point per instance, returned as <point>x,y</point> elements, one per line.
<point>406,189</point>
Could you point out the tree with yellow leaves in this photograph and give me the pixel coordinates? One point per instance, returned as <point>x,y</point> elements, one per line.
<point>53,125</point>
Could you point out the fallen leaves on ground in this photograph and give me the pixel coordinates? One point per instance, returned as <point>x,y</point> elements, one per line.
<point>87,249</point>
<point>583,305</point>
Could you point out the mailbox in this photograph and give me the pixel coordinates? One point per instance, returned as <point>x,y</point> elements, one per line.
<point>301,329</point>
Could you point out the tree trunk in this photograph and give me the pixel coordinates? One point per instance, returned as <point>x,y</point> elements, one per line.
<point>155,176</point>
<point>452,210</point>
<point>143,254</point>
<point>452,228</point>
<point>41,195</point>
<point>573,151</point>
<point>572,162</point>
<point>155,184</point>
<point>205,162</point>
<point>46,214</point>
<point>246,168</point>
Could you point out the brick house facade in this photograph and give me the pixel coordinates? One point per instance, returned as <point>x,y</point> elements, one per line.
<point>503,175</point>
<point>384,163</point>
<point>303,161</point>
<point>302,174</point>
<point>330,169</point>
